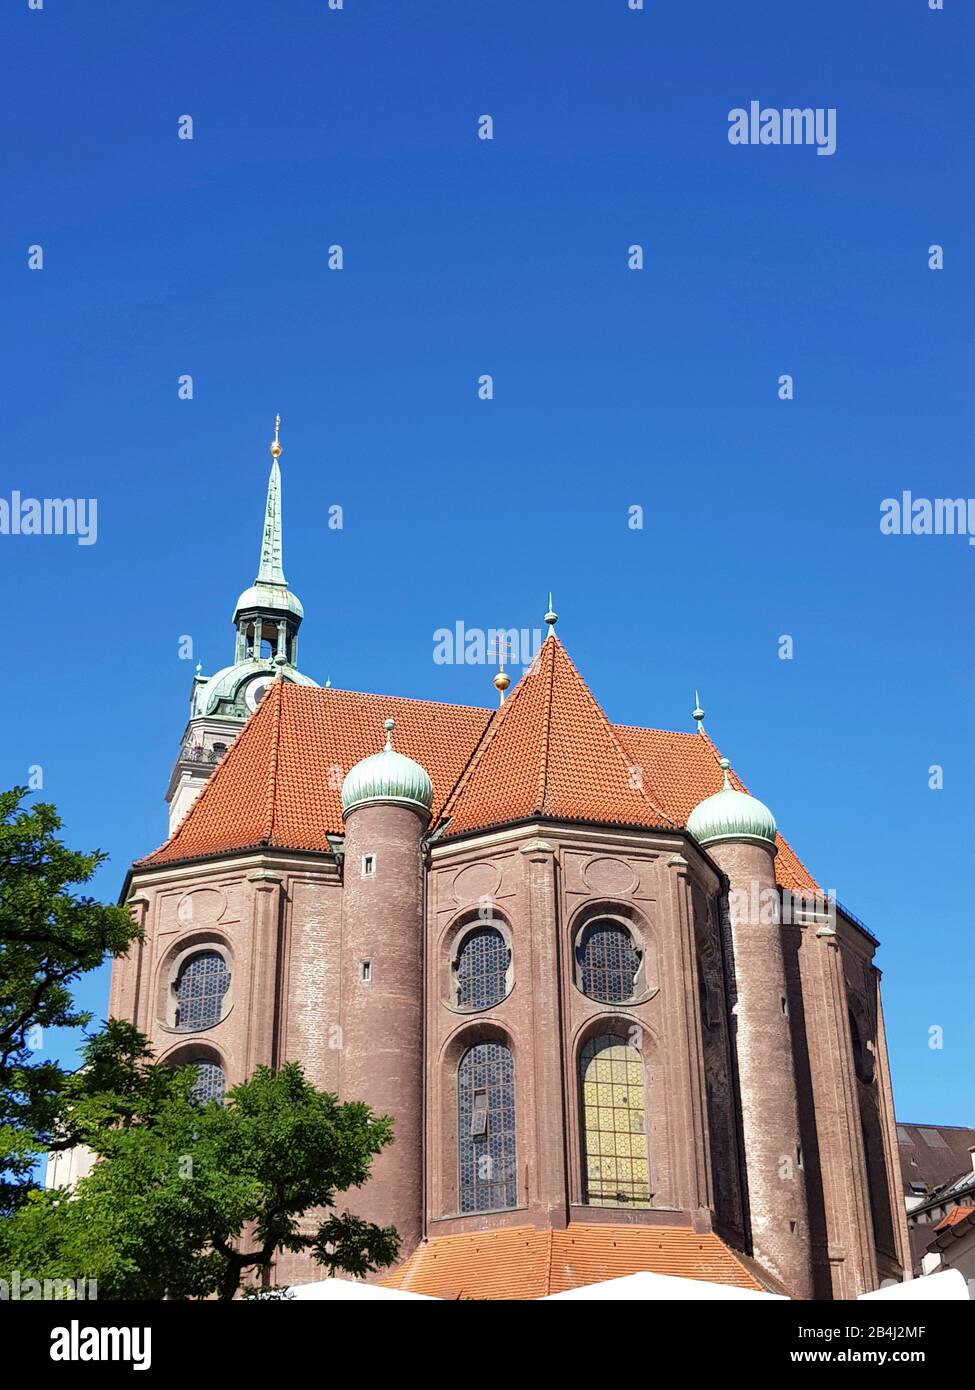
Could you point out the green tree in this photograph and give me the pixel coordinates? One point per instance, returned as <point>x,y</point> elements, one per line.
<point>49,938</point>
<point>190,1199</point>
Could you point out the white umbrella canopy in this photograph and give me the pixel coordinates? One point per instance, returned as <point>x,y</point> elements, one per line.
<point>661,1287</point>
<point>948,1285</point>
<point>353,1290</point>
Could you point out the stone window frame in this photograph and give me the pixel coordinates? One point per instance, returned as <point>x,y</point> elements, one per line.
<point>631,920</point>
<point>172,964</point>
<point>464,926</point>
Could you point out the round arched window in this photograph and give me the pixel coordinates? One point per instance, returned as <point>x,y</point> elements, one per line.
<point>607,962</point>
<point>616,1170</point>
<point>210,1083</point>
<point>201,984</point>
<point>482,969</point>
<point>487,1168</point>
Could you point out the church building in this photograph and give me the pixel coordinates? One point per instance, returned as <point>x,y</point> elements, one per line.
<point>617,1022</point>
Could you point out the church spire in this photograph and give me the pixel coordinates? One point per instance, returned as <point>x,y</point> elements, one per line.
<point>268,614</point>
<point>270,570</point>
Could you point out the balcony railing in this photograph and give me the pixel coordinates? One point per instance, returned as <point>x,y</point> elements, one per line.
<point>196,753</point>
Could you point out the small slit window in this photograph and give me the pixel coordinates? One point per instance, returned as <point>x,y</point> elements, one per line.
<point>368,866</point>
<point>365,971</point>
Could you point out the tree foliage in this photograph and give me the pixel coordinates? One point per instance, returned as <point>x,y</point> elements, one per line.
<point>186,1200</point>
<point>190,1200</point>
<point>49,937</point>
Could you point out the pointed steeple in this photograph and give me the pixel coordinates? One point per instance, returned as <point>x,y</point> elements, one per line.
<point>270,570</point>
<point>551,751</point>
<point>269,595</point>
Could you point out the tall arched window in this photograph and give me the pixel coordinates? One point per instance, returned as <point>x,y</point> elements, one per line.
<point>608,962</point>
<point>482,969</point>
<point>202,982</point>
<point>486,1128</point>
<point>616,1169</point>
<point>210,1083</point>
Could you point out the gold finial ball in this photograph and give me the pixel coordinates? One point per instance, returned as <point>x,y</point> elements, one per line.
<point>276,450</point>
<point>501,681</point>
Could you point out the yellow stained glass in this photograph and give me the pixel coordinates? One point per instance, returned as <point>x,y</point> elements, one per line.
<point>614,1124</point>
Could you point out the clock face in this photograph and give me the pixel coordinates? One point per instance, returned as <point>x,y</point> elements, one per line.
<point>255,691</point>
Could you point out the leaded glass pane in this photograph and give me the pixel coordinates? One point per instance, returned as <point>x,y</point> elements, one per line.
<point>486,1129</point>
<point>482,967</point>
<point>608,962</point>
<point>210,1083</point>
<point>616,1168</point>
<point>202,983</point>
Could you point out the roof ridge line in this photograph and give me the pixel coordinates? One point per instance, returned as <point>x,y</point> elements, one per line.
<point>546,747</point>
<point>407,699</point>
<point>742,787</point>
<point>205,792</point>
<point>272,775</point>
<point>488,735</point>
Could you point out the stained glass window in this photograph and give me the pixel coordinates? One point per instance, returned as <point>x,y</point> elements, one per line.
<point>486,1128</point>
<point>608,962</point>
<point>203,981</point>
<point>210,1083</point>
<point>616,1170</point>
<point>482,968</point>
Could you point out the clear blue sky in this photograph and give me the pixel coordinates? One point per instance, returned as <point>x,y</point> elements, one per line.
<point>612,388</point>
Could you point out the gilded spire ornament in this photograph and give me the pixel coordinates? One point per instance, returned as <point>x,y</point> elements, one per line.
<point>502,680</point>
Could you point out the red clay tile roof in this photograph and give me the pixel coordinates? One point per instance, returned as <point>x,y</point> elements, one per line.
<point>955,1217</point>
<point>683,769</point>
<point>280,783</point>
<point>549,751</point>
<point>522,1263</point>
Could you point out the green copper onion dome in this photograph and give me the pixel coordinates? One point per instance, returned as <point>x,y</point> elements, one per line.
<point>387,776</point>
<point>731,815</point>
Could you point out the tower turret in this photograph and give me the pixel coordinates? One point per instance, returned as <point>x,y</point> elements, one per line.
<point>739,833</point>
<point>267,617</point>
<point>386,802</point>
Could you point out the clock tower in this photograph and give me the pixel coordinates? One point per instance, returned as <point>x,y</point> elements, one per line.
<point>266,618</point>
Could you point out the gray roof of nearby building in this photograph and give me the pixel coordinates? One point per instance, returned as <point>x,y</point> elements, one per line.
<point>933,1155</point>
